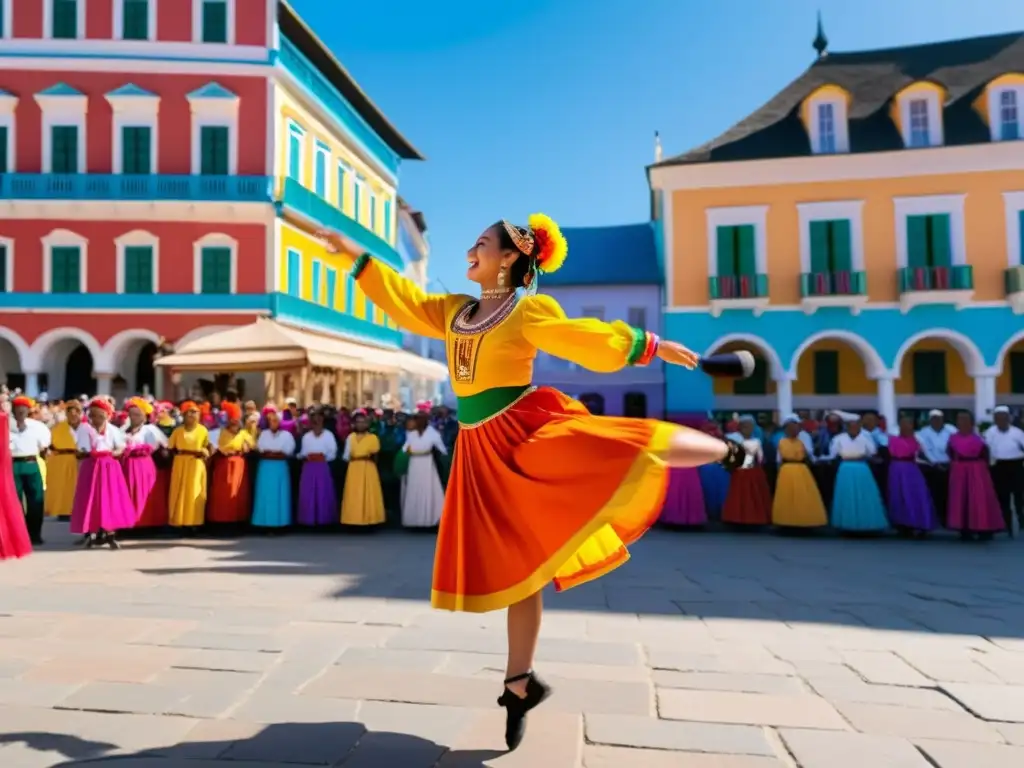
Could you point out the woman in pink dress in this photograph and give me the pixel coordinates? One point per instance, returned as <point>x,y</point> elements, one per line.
<point>14,541</point>
<point>973,506</point>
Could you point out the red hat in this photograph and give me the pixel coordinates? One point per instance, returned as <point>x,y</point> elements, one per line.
<point>232,411</point>
<point>187,406</point>
<point>424,406</point>
<point>24,400</point>
<point>103,404</point>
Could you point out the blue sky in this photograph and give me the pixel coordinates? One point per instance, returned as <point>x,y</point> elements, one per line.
<point>551,105</point>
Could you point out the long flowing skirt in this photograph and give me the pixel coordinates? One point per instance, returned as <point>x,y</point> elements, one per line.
<point>148,498</point>
<point>715,480</point>
<point>856,502</point>
<point>422,493</point>
<point>187,505</point>
<point>797,502</point>
<point>545,491</point>
<point>273,507</point>
<point>101,497</point>
<point>230,491</point>
<point>750,500</point>
<point>363,499</point>
<point>973,504</point>
<point>910,503</point>
<point>14,539</point>
<point>61,479</point>
<point>318,501</point>
<point>684,501</point>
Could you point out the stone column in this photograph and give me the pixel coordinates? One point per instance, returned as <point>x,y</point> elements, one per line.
<point>887,403</point>
<point>32,385</point>
<point>784,397</point>
<point>103,382</point>
<point>984,397</point>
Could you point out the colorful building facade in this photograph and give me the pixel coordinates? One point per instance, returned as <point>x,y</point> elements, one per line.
<point>163,165</point>
<point>613,274</point>
<point>861,234</point>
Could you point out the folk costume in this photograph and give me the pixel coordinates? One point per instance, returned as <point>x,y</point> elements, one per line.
<point>27,443</point>
<point>540,490</point>
<point>14,540</point>
<point>684,505</point>
<point>230,485</point>
<point>273,497</point>
<point>1006,450</point>
<point>973,504</point>
<point>318,501</point>
<point>422,488</point>
<point>797,502</point>
<point>147,488</point>
<point>362,502</point>
<point>187,504</point>
<point>750,497</point>
<point>911,508</point>
<point>61,470</point>
<point>857,505</point>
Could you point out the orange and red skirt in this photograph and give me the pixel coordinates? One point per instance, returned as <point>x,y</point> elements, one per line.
<point>230,497</point>
<point>540,491</point>
<point>750,499</point>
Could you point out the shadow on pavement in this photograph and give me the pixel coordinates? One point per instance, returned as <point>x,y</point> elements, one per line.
<point>349,745</point>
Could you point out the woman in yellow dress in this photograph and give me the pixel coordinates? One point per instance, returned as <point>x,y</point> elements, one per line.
<point>62,462</point>
<point>363,500</point>
<point>797,502</point>
<point>190,445</point>
<point>540,490</point>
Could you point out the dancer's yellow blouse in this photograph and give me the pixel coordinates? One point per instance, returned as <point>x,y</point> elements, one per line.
<point>537,322</point>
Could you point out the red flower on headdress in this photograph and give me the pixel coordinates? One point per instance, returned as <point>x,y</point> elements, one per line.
<point>549,245</point>
<point>103,404</point>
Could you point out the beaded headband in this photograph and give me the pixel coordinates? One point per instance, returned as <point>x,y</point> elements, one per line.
<point>524,241</point>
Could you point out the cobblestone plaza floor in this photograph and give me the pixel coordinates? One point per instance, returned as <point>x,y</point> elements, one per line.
<point>705,651</point>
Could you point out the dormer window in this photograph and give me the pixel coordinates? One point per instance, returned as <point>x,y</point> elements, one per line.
<point>1009,115</point>
<point>824,117</point>
<point>919,136</point>
<point>827,128</point>
<point>917,110</point>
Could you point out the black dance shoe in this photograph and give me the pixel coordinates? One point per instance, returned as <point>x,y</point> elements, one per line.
<point>516,707</point>
<point>736,456</point>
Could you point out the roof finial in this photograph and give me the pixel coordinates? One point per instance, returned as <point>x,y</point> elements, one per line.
<point>657,147</point>
<point>820,41</point>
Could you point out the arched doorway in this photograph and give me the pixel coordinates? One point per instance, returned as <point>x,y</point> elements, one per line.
<point>755,394</point>
<point>836,372</point>
<point>594,402</point>
<point>145,374</point>
<point>634,405</point>
<point>934,373</point>
<point>78,372</point>
<point>10,366</point>
<point>1010,384</point>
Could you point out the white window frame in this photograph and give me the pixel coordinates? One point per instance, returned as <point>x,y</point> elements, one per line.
<point>329,300</point>
<point>935,130</point>
<point>142,239</point>
<point>79,21</point>
<point>995,117</point>
<point>8,103</point>
<point>7,32</point>
<point>197,22</point>
<point>1014,202</point>
<point>314,289</point>
<point>347,184</point>
<point>851,210</point>
<point>755,215</point>
<point>65,238</point>
<point>214,112</point>
<point>8,243</point>
<point>372,214</point>
<point>287,282</point>
<point>134,111</point>
<point>213,240</point>
<point>840,125</point>
<point>294,130</point>
<point>151,15</point>
<point>364,190</point>
<point>63,109</point>
<point>322,148</point>
<point>927,205</point>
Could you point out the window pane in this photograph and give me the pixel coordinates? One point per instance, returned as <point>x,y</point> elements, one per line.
<point>4,287</point>
<point>294,273</point>
<point>216,266</point>
<point>1017,373</point>
<point>3,145</point>
<point>214,146</point>
<point>637,317</point>
<point>135,150</point>
<point>756,383</point>
<point>341,191</point>
<point>826,128</point>
<point>138,269</point>
<point>332,286</point>
<point>826,372</point>
<point>316,282</point>
<point>136,20</point>
<point>64,148</point>
<point>65,19</point>
<point>919,134</point>
<point>64,272</point>
<point>320,173</point>
<point>215,21</point>
<point>930,373</point>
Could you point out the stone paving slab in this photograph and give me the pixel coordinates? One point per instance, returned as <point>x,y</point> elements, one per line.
<point>704,652</point>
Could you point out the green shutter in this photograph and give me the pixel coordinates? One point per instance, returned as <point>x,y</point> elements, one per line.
<point>138,269</point>
<point>215,21</point>
<point>930,373</point>
<point>135,150</point>
<point>746,261</point>
<point>216,266</point>
<point>64,148</point>
<point>756,383</point>
<point>826,372</point>
<point>65,276</point>
<point>3,145</point>
<point>135,19</point>
<point>1017,373</point>
<point>3,19</point>
<point>917,241</point>
<point>214,150</point>
<point>726,251</point>
<point>842,259</point>
<point>819,247</point>
<point>4,287</point>
<point>941,249</point>
<point>65,19</point>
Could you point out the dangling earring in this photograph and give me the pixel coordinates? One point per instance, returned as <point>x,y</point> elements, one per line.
<point>501,279</point>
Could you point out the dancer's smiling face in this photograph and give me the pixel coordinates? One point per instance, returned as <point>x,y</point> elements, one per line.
<point>492,251</point>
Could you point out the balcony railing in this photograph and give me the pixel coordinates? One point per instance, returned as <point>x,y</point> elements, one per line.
<point>738,287</point>
<point>918,279</point>
<point>309,205</point>
<point>311,315</point>
<point>822,284</point>
<point>1014,280</point>
<point>101,186</point>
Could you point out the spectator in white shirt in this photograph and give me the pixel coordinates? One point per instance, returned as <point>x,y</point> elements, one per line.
<point>29,441</point>
<point>1006,451</point>
<point>934,440</point>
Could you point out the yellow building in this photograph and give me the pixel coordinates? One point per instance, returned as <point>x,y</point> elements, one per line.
<point>861,233</point>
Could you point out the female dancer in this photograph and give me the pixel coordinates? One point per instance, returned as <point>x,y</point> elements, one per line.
<point>142,440</point>
<point>797,502</point>
<point>750,498</point>
<point>318,501</point>
<point>190,445</point>
<point>14,541</point>
<point>102,504</point>
<point>973,505</point>
<point>525,505</point>
<point>856,502</point>
<point>276,445</point>
<point>363,500</point>
<point>230,487</point>
<point>62,462</point>
<point>911,509</point>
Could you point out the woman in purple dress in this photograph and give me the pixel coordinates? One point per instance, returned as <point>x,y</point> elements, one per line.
<point>911,509</point>
<point>318,501</point>
<point>973,506</point>
<point>684,501</point>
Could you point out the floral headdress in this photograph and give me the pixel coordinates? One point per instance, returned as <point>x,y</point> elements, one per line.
<point>542,241</point>
<point>102,404</point>
<point>143,405</point>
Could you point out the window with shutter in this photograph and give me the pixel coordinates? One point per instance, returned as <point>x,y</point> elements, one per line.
<point>135,20</point>
<point>214,150</point>
<point>756,383</point>
<point>295,141</point>
<point>1017,373</point>
<point>215,21</point>
<point>737,252</point>
<point>370,314</point>
<point>840,245</point>
<point>64,148</point>
<point>65,275</point>
<point>3,20</point>
<point>3,145</point>
<point>135,150</point>
<point>357,194</point>
<point>320,170</point>
<point>4,287</point>
<point>930,373</point>
<point>726,252</point>
<point>342,190</point>
<point>387,220</point>
<point>373,212</point>
<point>317,267</point>
<point>65,19</point>
<point>294,286</point>
<point>331,297</point>
<point>820,251</point>
<point>826,372</point>
<point>216,266</point>
<point>940,252</point>
<point>138,269</point>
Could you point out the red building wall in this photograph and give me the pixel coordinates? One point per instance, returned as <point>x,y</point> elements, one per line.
<point>172,326</point>
<point>176,252</point>
<point>174,154</point>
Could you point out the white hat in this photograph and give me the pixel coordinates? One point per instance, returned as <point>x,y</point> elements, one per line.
<point>1001,409</point>
<point>791,419</point>
<point>936,412</point>
<point>746,419</point>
